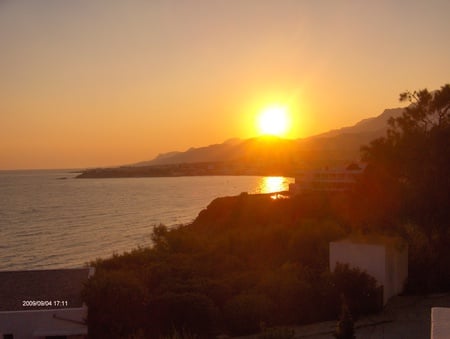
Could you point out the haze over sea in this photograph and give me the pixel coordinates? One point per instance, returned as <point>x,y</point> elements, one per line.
<point>49,219</point>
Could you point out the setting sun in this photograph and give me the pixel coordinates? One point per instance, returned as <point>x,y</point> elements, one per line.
<point>274,120</point>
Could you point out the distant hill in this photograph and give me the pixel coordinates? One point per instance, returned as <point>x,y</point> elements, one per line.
<point>374,125</point>
<point>336,146</point>
<point>259,156</point>
<point>211,153</point>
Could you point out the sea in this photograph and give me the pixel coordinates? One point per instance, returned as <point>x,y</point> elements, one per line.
<point>50,219</point>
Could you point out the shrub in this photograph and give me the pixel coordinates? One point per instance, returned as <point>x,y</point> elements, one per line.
<point>290,291</point>
<point>357,287</point>
<point>181,313</point>
<point>116,304</point>
<point>244,313</point>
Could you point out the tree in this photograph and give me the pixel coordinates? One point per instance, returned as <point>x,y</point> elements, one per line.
<point>413,159</point>
<point>410,168</point>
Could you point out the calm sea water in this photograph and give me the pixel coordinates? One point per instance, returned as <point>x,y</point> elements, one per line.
<point>50,222</point>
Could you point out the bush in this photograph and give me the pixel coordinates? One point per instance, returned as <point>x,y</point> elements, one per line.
<point>291,293</point>
<point>182,313</point>
<point>429,260</point>
<point>358,288</point>
<point>116,304</point>
<point>245,313</point>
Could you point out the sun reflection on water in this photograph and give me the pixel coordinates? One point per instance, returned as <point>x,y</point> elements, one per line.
<point>274,184</point>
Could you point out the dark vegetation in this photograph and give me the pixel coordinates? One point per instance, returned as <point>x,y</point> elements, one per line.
<point>245,261</point>
<point>345,328</point>
<point>407,186</point>
<point>249,262</point>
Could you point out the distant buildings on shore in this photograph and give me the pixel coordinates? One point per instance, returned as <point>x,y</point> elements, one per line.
<point>326,180</point>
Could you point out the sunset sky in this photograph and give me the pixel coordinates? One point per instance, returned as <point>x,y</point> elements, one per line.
<point>101,83</point>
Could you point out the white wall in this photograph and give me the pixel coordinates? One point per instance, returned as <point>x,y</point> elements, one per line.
<point>399,257</point>
<point>369,258</point>
<point>386,263</point>
<point>39,323</point>
<point>440,323</point>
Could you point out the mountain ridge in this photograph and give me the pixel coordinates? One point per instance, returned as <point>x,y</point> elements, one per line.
<point>339,145</point>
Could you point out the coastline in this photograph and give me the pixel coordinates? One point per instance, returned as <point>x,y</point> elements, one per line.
<point>188,169</point>
<point>117,214</point>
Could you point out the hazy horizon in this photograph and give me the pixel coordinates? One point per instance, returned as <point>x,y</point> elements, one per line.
<point>105,83</point>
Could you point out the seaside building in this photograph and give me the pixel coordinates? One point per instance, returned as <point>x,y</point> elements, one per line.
<point>326,180</point>
<point>43,304</point>
<point>384,258</point>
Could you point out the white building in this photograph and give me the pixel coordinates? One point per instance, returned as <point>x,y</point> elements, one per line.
<point>384,258</point>
<point>43,304</point>
<point>440,323</point>
<point>326,180</point>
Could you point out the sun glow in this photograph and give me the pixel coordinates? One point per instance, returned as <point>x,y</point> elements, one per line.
<point>274,120</point>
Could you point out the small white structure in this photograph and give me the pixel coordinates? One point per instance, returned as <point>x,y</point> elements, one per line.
<point>326,180</point>
<point>384,258</point>
<point>440,323</point>
<point>43,304</point>
<point>67,323</point>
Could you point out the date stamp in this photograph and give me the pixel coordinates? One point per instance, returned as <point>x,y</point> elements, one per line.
<point>45,303</point>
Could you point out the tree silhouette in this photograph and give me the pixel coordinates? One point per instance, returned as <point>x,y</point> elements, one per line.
<point>413,159</point>
<point>407,182</point>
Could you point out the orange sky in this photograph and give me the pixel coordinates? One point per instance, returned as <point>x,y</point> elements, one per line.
<point>100,83</point>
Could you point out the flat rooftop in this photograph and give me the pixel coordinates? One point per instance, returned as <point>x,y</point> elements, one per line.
<point>19,288</point>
